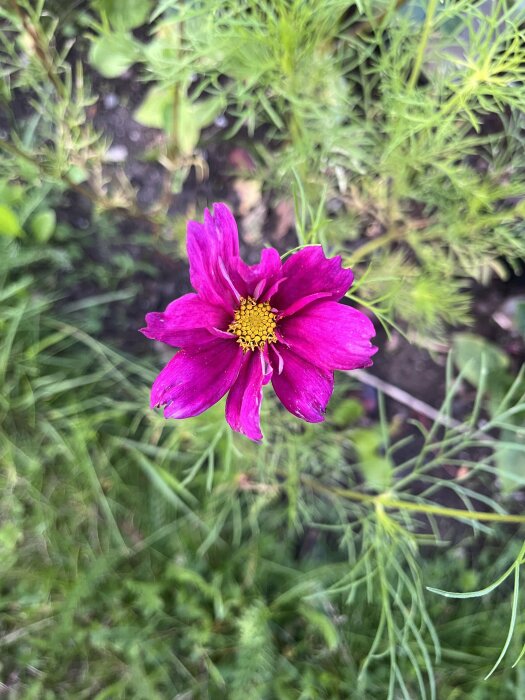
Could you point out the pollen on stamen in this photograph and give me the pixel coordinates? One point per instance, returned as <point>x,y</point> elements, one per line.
<point>254,324</point>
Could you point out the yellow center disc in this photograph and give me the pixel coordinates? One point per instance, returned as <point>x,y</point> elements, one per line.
<point>253,324</point>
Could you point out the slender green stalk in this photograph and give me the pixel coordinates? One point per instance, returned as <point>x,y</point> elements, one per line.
<point>364,250</point>
<point>40,48</point>
<point>385,501</point>
<point>427,27</point>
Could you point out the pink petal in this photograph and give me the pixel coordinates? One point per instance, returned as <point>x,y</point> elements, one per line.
<point>298,304</point>
<point>330,335</point>
<point>223,226</point>
<point>261,277</point>
<point>302,388</point>
<point>268,369</point>
<point>213,253</point>
<point>187,321</point>
<point>243,404</point>
<point>194,380</point>
<point>310,272</point>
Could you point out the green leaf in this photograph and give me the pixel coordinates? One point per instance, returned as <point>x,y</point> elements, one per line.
<point>376,468</point>
<point>10,193</point>
<point>510,461</point>
<point>126,14</point>
<point>187,130</point>
<point>479,593</point>
<point>165,49</point>
<point>9,223</point>
<point>367,441</point>
<point>10,535</point>
<point>474,355</point>
<point>112,54</point>
<point>347,412</point>
<point>323,624</point>
<point>377,472</point>
<point>206,111</point>
<point>193,118</point>
<point>42,225</point>
<point>160,107</point>
<point>154,110</point>
<point>77,174</point>
<point>184,575</point>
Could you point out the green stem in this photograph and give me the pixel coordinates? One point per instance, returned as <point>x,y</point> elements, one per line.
<point>173,149</point>
<point>427,27</point>
<point>173,140</point>
<point>364,250</point>
<point>450,512</point>
<point>386,501</point>
<point>41,49</point>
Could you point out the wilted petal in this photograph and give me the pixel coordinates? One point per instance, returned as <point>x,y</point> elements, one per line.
<point>330,335</point>
<point>243,404</point>
<point>187,321</point>
<point>302,388</point>
<point>194,379</point>
<point>310,272</point>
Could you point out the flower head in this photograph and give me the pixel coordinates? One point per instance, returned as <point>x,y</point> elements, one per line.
<point>248,325</point>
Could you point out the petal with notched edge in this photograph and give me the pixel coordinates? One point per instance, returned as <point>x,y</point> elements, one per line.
<point>330,335</point>
<point>195,379</point>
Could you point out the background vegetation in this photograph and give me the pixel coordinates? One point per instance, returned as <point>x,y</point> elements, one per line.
<point>142,558</point>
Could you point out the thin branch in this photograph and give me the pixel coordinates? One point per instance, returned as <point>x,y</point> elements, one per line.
<point>385,500</point>
<point>370,246</point>
<point>407,399</point>
<point>427,28</point>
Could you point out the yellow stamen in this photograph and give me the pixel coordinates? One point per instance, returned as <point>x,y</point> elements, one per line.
<point>253,324</point>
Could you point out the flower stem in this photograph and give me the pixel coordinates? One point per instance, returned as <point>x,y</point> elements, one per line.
<point>387,501</point>
<point>431,11</point>
<point>364,250</point>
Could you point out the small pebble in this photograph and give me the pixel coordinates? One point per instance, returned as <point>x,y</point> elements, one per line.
<point>110,101</point>
<point>116,154</point>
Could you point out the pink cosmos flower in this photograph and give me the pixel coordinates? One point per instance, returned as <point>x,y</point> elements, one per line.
<point>248,325</point>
